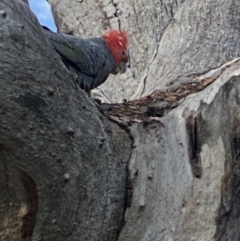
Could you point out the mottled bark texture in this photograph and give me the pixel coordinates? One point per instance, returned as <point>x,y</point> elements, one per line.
<point>62,160</point>
<point>62,163</point>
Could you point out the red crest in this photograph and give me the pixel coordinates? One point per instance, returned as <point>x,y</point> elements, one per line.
<point>117,42</point>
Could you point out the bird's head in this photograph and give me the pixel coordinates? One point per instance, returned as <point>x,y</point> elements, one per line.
<point>117,42</point>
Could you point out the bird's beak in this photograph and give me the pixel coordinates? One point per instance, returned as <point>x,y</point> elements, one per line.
<point>120,69</point>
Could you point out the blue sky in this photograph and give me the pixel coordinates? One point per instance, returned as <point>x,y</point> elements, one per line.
<point>43,12</point>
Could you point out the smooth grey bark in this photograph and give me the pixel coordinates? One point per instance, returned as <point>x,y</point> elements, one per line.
<point>184,165</point>
<point>62,163</point>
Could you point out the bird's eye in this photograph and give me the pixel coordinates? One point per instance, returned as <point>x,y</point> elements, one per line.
<point>123,53</point>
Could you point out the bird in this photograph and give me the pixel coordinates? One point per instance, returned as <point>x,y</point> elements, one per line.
<point>92,59</point>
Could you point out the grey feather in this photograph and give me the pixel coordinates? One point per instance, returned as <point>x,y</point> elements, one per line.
<point>90,59</point>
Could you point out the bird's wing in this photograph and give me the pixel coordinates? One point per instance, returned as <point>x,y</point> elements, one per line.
<point>83,80</point>
<point>87,55</point>
<point>101,76</point>
<point>90,59</point>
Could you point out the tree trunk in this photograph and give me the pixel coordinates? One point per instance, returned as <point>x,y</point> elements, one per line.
<point>162,166</point>
<point>62,162</point>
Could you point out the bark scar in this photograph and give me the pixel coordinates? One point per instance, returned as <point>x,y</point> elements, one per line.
<point>193,126</point>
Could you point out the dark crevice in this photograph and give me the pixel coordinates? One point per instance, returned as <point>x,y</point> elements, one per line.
<point>193,126</point>
<point>29,207</point>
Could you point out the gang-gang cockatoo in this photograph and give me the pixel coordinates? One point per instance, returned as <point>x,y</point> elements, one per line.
<point>92,59</point>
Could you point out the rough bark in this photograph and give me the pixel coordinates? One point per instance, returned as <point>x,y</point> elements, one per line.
<point>63,158</point>
<point>62,163</point>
